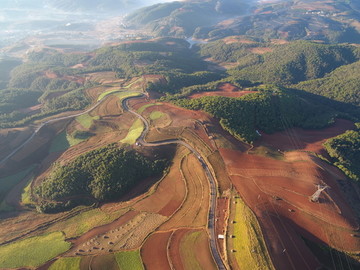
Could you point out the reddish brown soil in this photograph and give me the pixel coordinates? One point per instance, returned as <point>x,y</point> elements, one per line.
<point>194,210</point>
<point>261,50</point>
<point>154,251</point>
<point>31,110</point>
<point>200,249</point>
<point>169,194</point>
<point>235,39</point>
<point>221,215</point>
<point>220,93</point>
<point>224,90</point>
<point>174,247</point>
<point>308,140</point>
<point>278,192</point>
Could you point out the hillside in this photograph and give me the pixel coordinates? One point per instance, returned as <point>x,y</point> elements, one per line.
<point>343,84</point>
<point>295,62</point>
<point>180,19</point>
<point>331,21</point>
<point>269,110</point>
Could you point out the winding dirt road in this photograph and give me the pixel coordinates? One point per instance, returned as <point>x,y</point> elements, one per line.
<point>211,221</point>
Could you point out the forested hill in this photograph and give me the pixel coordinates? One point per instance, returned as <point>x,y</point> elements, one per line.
<point>343,84</point>
<point>269,110</point>
<point>290,63</point>
<point>104,174</point>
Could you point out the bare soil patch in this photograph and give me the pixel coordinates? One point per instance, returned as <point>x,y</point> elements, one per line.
<point>154,251</point>
<point>301,139</point>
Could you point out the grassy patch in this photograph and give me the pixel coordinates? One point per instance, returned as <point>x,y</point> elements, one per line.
<point>143,108</point>
<point>66,264</point>
<point>156,115</point>
<point>267,152</point>
<point>134,132</point>
<point>86,120</point>
<point>85,221</point>
<point>7,183</point>
<point>34,251</point>
<point>187,251</point>
<point>248,243</point>
<point>129,260</point>
<point>60,143</point>
<point>26,194</point>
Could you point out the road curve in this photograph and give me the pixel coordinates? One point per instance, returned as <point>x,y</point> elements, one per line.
<point>44,124</point>
<point>213,192</point>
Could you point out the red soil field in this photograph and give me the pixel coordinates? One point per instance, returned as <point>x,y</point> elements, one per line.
<point>154,251</point>
<point>221,216</point>
<point>193,212</point>
<point>199,249</point>
<point>169,194</point>
<point>220,93</point>
<point>302,139</point>
<point>224,90</point>
<point>278,192</point>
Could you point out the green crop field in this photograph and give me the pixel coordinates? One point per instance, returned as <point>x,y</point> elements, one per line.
<point>187,250</point>
<point>134,132</point>
<point>143,108</point>
<point>129,260</point>
<point>66,264</point>
<point>156,115</point>
<point>86,120</point>
<point>85,221</point>
<point>248,243</point>
<point>26,194</point>
<point>34,251</point>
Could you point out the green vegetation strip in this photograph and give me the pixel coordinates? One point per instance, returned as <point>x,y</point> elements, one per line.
<point>85,221</point>
<point>187,250</point>
<point>129,260</point>
<point>34,251</point>
<point>143,108</point>
<point>26,195</point>
<point>134,132</point>
<point>86,120</point>
<point>247,241</point>
<point>66,264</point>
<point>156,115</point>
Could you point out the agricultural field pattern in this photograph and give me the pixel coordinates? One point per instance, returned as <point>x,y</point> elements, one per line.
<point>227,142</point>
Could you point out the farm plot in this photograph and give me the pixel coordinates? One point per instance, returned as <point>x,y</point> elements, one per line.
<point>246,247</point>
<point>33,251</point>
<point>66,264</point>
<point>170,192</point>
<point>124,237</point>
<point>154,251</point>
<point>278,192</point>
<point>189,249</point>
<point>85,221</point>
<point>194,210</point>
<point>129,260</point>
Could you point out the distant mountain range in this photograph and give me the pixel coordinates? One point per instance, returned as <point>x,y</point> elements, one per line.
<point>113,6</point>
<point>331,21</point>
